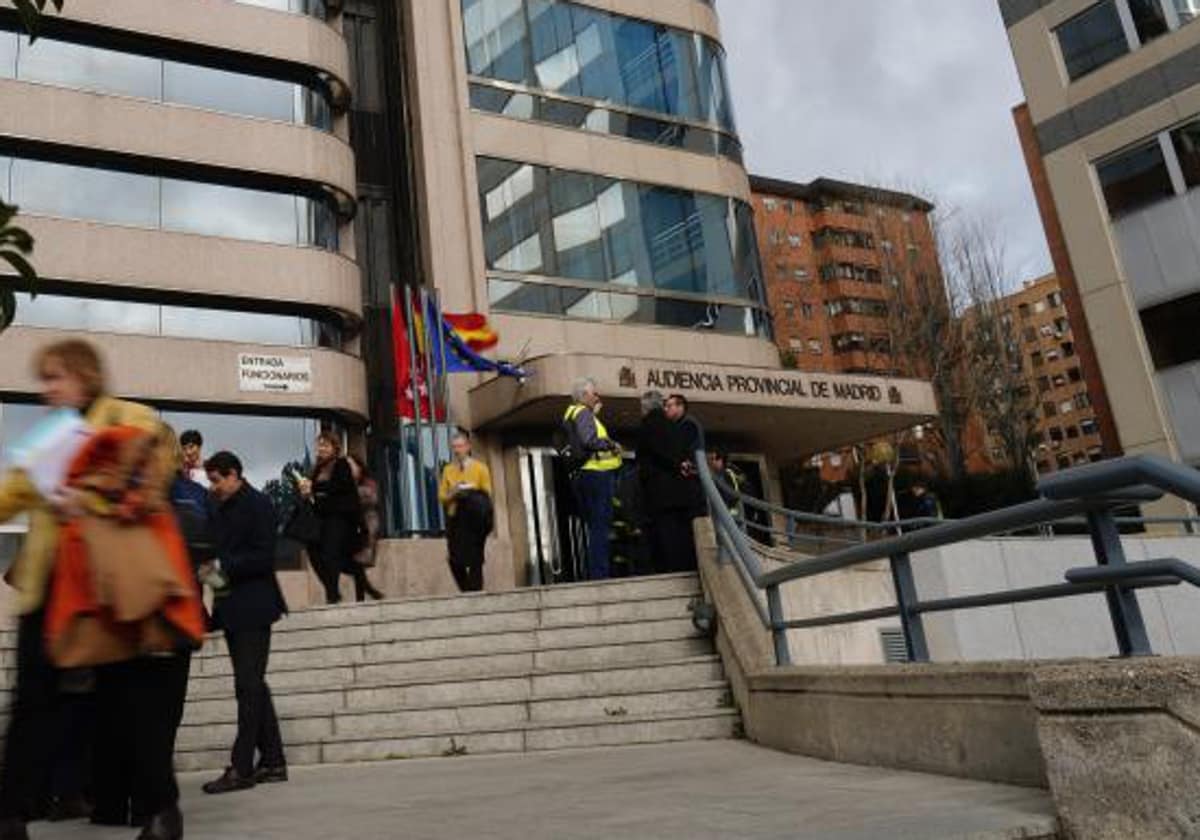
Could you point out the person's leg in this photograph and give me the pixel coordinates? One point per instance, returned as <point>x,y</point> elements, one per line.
<point>26,770</point>
<point>333,540</point>
<point>112,758</point>
<point>474,574</point>
<point>151,690</point>
<point>599,492</point>
<point>249,650</point>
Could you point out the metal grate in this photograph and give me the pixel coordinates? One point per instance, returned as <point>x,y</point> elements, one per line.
<point>894,648</point>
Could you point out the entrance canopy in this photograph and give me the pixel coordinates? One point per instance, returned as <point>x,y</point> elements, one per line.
<point>775,410</point>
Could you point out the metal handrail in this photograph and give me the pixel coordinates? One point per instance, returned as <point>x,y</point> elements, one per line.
<point>1092,491</point>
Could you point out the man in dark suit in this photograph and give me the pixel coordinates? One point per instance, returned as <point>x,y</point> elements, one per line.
<point>246,602</point>
<point>667,499</point>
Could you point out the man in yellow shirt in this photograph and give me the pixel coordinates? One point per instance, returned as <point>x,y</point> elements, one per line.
<point>595,483</point>
<point>466,496</point>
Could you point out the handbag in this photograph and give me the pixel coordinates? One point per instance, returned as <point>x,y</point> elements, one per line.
<point>303,526</point>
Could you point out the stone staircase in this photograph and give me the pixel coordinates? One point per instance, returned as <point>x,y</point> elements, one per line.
<point>585,665</point>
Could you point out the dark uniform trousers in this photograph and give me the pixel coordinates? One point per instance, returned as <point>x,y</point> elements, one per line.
<point>258,727</point>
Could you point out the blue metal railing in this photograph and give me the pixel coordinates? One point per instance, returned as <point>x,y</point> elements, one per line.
<point>1092,492</point>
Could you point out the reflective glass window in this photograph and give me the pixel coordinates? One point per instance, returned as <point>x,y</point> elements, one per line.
<point>581,226</point>
<point>1135,178</point>
<point>64,312</point>
<point>102,195</point>
<point>1186,141</point>
<point>313,8</point>
<point>1170,331</point>
<point>1188,10</point>
<point>566,48</point>
<point>78,192</point>
<point>265,445</point>
<point>85,67</point>
<point>1092,39</point>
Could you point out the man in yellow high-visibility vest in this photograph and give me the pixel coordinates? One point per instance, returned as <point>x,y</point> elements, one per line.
<point>595,481</point>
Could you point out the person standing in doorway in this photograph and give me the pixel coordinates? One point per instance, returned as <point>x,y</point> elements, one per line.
<point>247,601</point>
<point>192,444</point>
<point>595,481</point>
<point>466,496</point>
<point>334,495</point>
<point>666,494</point>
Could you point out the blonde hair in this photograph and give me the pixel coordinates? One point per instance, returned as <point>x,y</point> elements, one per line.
<point>79,359</point>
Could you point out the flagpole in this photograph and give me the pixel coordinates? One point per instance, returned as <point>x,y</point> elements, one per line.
<point>430,384</point>
<point>441,327</point>
<point>414,384</point>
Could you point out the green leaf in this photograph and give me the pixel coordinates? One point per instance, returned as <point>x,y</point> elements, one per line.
<point>8,307</point>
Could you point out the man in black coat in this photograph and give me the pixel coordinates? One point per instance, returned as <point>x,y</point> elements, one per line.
<point>678,411</point>
<point>246,602</point>
<point>667,498</point>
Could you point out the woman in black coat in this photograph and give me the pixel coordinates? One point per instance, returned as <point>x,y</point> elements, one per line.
<point>334,494</point>
<point>667,498</point>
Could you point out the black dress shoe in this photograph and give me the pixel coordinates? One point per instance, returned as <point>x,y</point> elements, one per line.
<point>13,829</point>
<point>229,782</point>
<point>264,775</point>
<point>165,825</point>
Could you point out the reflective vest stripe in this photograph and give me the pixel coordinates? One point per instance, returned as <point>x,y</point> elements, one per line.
<point>600,461</point>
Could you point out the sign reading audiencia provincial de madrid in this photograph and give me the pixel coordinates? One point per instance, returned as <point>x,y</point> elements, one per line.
<point>777,384</point>
<point>275,374</point>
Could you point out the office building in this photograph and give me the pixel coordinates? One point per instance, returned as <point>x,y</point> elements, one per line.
<point>252,181</point>
<point>1113,91</point>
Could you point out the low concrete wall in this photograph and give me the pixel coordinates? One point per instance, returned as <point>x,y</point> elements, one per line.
<point>971,721</point>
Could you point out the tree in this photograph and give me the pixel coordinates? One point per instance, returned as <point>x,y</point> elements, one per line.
<point>16,244</point>
<point>283,492</point>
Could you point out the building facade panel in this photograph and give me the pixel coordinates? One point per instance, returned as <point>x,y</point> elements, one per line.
<point>39,114</point>
<point>200,374</point>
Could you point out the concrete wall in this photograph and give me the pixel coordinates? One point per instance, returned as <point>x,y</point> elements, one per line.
<point>1048,629</point>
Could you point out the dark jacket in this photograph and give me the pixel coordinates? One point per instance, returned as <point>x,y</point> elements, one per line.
<point>190,503</point>
<point>243,529</point>
<point>338,494</point>
<point>661,453</point>
<point>693,441</point>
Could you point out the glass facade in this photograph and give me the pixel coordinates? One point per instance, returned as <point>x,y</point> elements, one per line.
<point>644,243</point>
<point>598,119</point>
<point>116,197</point>
<point>68,64</point>
<point>136,318</point>
<point>565,48</point>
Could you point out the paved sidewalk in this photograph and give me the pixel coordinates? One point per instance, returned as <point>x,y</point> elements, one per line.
<point>716,789</point>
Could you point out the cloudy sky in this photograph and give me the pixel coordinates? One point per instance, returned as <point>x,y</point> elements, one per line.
<point>911,93</point>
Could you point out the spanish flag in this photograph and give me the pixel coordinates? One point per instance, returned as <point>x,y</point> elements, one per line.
<point>473,330</point>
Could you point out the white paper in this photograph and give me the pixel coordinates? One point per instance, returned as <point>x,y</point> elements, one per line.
<point>47,450</point>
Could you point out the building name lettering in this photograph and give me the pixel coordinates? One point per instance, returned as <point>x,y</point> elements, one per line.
<point>770,385</point>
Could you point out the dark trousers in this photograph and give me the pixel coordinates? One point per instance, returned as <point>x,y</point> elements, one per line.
<point>672,542</point>
<point>331,555</point>
<point>25,777</point>
<point>258,728</point>
<point>138,707</point>
<point>466,542</point>
<point>594,493</point>
<point>468,578</point>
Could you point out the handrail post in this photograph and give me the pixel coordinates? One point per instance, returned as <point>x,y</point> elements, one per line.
<point>911,622</point>
<point>1123,607</point>
<point>783,655</point>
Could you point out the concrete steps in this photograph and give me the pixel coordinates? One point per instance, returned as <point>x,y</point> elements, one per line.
<point>585,665</point>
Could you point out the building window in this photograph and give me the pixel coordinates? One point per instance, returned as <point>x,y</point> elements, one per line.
<point>770,204</point>
<point>1188,10</point>
<point>583,227</point>
<point>795,241</point>
<point>1068,349</point>
<point>796,344</point>
<point>575,50</point>
<point>1055,299</point>
<point>815,347</point>
<point>1036,358</point>
<point>150,201</point>
<point>125,73</point>
<point>1049,409</point>
<point>1082,401</point>
<point>800,273</point>
<point>1135,178</point>
<point>1186,142</point>
<point>806,310</point>
<point>1170,331</point>
<point>1030,335</point>
<point>1043,383</point>
<point>1149,19</point>
<point>1089,427</point>
<point>851,342</point>
<point>1075,374</point>
<point>1092,39</point>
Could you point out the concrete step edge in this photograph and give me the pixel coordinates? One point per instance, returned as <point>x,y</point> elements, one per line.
<point>708,659</point>
<point>697,687</point>
<point>523,726</point>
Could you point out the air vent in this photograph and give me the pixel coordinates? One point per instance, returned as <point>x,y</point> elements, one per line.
<point>894,649</point>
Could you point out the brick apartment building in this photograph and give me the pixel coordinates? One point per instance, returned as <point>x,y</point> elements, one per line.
<point>1068,430</point>
<point>832,254</point>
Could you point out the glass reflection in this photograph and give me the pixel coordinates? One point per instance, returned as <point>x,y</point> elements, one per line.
<point>134,318</point>
<point>83,67</point>
<point>538,298</point>
<point>80,192</point>
<point>587,227</point>
<point>313,8</point>
<point>578,50</point>
<point>265,445</point>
